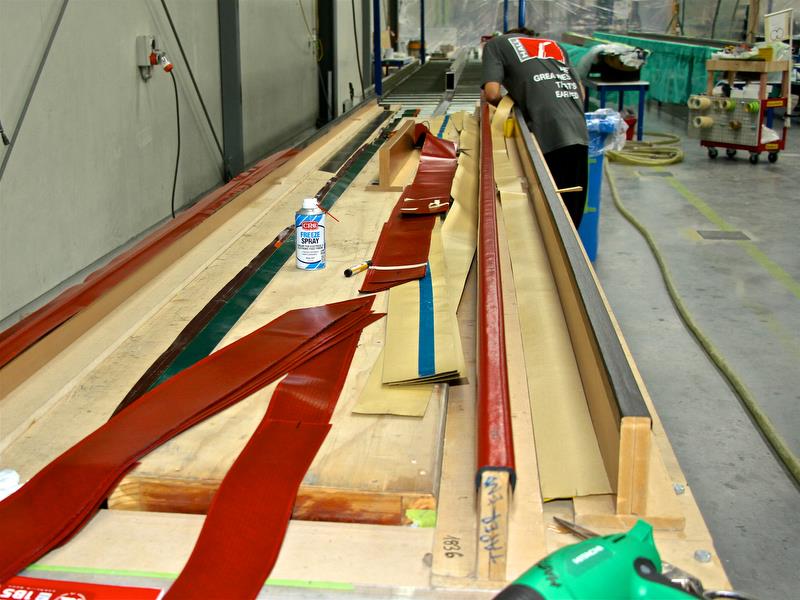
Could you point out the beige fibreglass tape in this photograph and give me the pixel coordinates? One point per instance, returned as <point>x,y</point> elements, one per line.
<point>460,229</point>
<point>458,120</point>
<point>567,452</point>
<point>402,400</point>
<point>452,251</point>
<point>401,354</point>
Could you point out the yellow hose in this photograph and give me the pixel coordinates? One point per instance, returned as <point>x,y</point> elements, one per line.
<point>762,421</point>
<point>649,153</point>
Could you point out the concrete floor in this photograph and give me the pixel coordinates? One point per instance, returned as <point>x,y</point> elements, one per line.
<point>745,295</point>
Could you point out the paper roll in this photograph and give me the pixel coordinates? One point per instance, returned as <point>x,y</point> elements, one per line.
<point>702,122</point>
<point>698,102</point>
<point>725,104</point>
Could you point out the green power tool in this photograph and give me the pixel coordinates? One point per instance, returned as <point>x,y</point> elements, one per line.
<point>618,566</point>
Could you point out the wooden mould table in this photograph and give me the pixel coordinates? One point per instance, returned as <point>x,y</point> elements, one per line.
<point>372,470</point>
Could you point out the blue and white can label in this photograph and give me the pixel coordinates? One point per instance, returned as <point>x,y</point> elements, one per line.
<point>310,238</point>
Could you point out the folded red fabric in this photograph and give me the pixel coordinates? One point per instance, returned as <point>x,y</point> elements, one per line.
<point>247,521</point>
<point>495,443</point>
<point>64,495</point>
<point>402,249</point>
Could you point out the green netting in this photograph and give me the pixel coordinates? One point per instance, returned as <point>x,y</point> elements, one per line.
<point>675,71</point>
<point>575,53</point>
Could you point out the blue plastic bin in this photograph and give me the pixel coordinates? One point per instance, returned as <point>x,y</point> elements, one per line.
<point>590,223</point>
<point>600,124</point>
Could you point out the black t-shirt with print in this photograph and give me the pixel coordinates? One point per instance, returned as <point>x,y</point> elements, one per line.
<point>537,76</point>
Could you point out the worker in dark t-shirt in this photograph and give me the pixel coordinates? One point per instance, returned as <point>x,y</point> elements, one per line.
<point>538,77</point>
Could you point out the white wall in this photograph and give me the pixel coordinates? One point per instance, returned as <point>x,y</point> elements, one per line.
<point>92,167</point>
<point>279,73</point>
<point>346,53</point>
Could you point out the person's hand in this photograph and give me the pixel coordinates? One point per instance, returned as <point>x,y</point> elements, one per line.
<point>491,91</point>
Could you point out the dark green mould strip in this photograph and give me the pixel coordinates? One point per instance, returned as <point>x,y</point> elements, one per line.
<point>223,321</point>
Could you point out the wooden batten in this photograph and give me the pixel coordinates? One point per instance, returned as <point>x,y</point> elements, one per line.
<point>395,164</point>
<point>619,415</point>
<point>494,508</point>
<point>634,465</point>
<point>603,409</point>
<point>314,503</point>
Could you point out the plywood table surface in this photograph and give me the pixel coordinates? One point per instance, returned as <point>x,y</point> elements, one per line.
<point>370,469</point>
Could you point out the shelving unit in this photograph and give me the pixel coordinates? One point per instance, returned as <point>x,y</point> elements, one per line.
<point>729,133</point>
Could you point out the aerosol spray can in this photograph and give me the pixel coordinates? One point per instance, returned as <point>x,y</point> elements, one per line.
<point>309,224</point>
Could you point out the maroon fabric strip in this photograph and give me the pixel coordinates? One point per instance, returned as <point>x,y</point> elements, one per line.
<point>404,240</point>
<point>58,500</point>
<point>199,321</point>
<point>495,443</point>
<point>246,523</point>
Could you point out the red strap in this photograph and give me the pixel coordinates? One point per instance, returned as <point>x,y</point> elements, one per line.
<point>495,442</point>
<point>247,520</point>
<point>59,500</point>
<point>246,523</point>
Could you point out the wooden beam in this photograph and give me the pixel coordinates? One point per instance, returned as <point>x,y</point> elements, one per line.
<point>752,21</point>
<point>494,508</point>
<point>395,167</point>
<point>634,465</point>
<point>615,400</point>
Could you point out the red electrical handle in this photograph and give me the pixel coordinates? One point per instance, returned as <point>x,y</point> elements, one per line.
<point>495,440</point>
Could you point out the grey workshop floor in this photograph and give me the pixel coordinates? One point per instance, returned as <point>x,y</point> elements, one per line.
<point>745,295</point>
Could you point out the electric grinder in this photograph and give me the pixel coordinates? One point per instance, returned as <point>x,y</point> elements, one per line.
<point>618,566</point>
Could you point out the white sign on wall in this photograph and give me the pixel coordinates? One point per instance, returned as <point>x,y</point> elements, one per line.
<point>778,26</point>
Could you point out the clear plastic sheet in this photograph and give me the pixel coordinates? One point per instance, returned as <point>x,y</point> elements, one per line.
<point>674,70</point>
<point>726,19</point>
<point>462,22</point>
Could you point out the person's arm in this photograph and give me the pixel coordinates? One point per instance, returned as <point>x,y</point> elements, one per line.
<point>493,72</point>
<point>491,90</point>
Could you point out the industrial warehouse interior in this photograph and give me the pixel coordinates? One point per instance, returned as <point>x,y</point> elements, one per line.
<point>399,299</point>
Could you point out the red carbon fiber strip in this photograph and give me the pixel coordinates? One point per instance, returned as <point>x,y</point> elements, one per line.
<point>495,442</point>
<point>405,238</point>
<point>246,523</point>
<point>62,497</point>
<point>20,336</point>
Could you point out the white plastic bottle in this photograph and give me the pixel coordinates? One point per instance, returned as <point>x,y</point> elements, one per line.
<point>309,224</point>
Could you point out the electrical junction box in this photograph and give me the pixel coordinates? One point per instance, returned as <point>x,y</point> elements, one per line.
<point>145,45</point>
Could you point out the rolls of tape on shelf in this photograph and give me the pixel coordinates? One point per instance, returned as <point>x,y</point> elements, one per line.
<point>698,102</point>
<point>702,122</point>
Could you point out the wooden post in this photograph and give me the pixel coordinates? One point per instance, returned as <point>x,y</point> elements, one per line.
<point>393,156</point>
<point>752,20</point>
<point>494,505</point>
<point>634,465</point>
<point>676,17</point>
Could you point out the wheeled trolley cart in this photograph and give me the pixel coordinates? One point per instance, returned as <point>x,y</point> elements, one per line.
<point>741,123</point>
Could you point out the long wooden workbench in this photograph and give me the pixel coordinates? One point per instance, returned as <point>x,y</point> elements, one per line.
<point>390,501</point>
